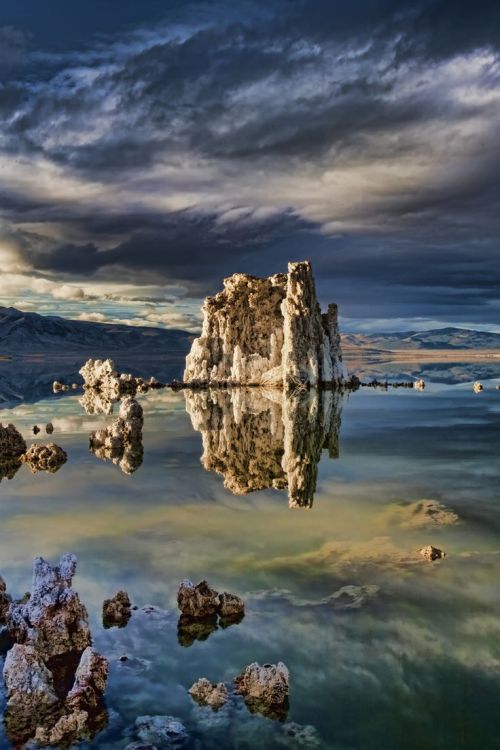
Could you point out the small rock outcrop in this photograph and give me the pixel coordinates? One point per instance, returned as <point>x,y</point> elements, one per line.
<point>231,607</point>
<point>265,688</point>
<point>162,732</point>
<point>49,428</point>
<point>197,601</point>
<point>116,612</point>
<point>206,693</point>
<point>104,385</point>
<point>53,620</point>
<point>200,606</point>
<point>121,442</point>
<point>432,553</point>
<point>47,458</point>
<point>267,332</point>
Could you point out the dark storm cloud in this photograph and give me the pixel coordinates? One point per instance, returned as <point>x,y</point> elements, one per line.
<point>367,128</point>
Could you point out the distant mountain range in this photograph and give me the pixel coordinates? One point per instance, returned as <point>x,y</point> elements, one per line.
<point>30,333</point>
<point>441,338</point>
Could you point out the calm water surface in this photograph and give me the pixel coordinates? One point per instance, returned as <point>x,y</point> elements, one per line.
<point>410,658</point>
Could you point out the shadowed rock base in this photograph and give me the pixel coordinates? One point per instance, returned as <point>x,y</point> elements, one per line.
<point>259,439</point>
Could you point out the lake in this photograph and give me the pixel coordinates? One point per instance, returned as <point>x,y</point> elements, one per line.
<point>386,650</point>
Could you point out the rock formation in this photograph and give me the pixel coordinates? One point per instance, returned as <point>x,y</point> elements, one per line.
<point>432,553</point>
<point>259,439</point>
<point>47,458</point>
<point>116,612</point>
<point>12,443</point>
<point>162,732</point>
<point>265,689</point>
<point>197,601</point>
<point>231,607</point>
<point>53,620</point>
<point>121,442</point>
<point>54,680</point>
<point>267,332</point>
<point>206,693</point>
<point>200,606</point>
<point>104,386</point>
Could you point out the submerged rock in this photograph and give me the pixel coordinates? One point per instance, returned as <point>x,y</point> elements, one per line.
<point>267,332</point>
<point>164,732</point>
<point>197,601</point>
<point>299,737</point>
<point>432,553</point>
<point>53,620</point>
<point>206,693</point>
<point>47,458</point>
<point>116,612</point>
<point>265,689</point>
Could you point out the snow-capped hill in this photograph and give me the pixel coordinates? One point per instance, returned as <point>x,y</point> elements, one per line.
<point>440,338</point>
<point>30,333</point>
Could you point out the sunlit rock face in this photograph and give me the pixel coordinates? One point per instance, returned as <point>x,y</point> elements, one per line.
<point>267,332</point>
<point>259,439</point>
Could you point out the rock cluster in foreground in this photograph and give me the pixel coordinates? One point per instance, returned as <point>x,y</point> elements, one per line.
<point>267,332</point>
<point>52,648</point>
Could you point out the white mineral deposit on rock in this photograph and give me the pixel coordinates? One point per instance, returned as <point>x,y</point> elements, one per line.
<point>268,332</point>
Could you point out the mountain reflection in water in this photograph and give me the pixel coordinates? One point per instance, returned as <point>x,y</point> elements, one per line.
<point>259,439</point>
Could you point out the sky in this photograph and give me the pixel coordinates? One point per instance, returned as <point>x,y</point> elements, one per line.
<point>148,150</point>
